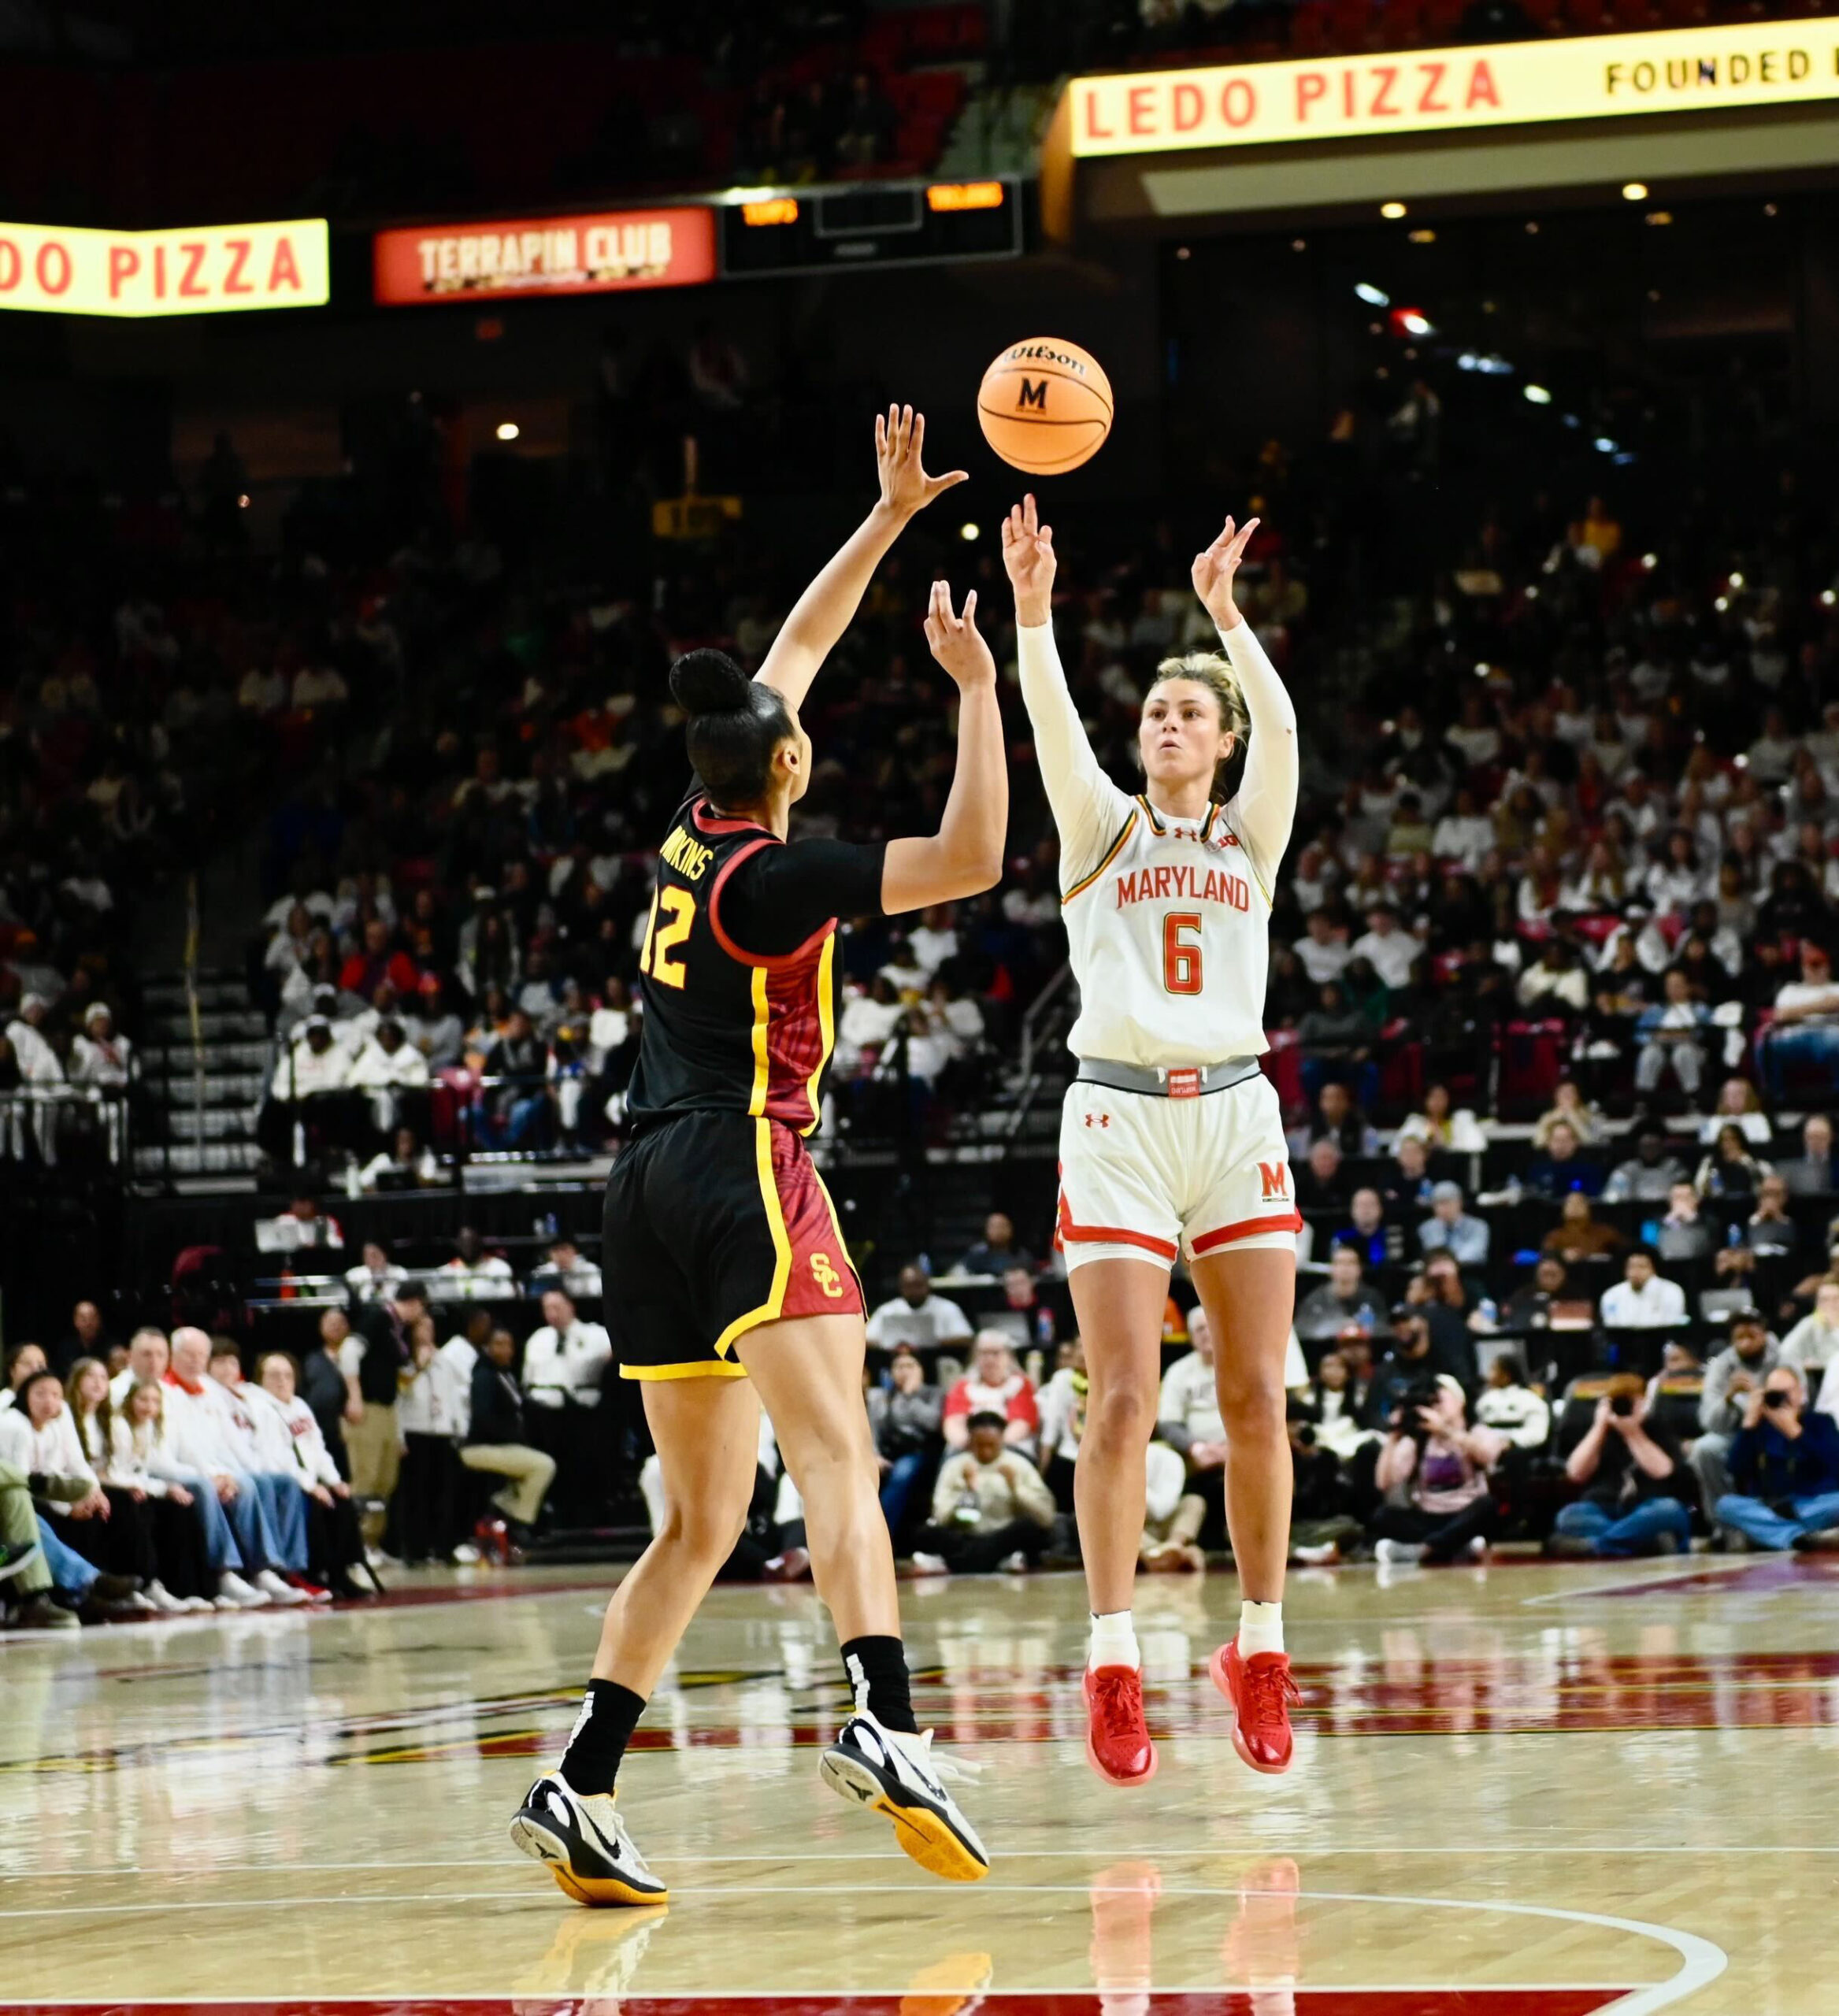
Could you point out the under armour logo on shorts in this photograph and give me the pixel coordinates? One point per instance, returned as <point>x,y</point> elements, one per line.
<point>1098,1120</point>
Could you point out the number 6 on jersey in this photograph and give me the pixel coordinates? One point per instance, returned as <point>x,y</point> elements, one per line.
<point>1181,960</point>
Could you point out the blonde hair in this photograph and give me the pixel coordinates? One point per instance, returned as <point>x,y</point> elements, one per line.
<point>1209,669</point>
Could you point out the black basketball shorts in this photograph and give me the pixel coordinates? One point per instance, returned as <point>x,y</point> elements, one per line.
<point>716,1223</point>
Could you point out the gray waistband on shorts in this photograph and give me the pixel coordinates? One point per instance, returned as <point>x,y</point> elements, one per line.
<point>1168,1081</point>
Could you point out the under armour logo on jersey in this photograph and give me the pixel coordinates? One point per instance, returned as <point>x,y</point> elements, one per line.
<point>826,1276</point>
<point>1098,1120</point>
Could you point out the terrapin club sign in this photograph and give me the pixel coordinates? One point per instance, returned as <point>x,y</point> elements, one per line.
<point>1434,90</point>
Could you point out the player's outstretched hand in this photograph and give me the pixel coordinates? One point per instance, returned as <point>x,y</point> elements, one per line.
<point>900,434</point>
<point>1213,571</point>
<point>1028,554</point>
<point>954,642</point>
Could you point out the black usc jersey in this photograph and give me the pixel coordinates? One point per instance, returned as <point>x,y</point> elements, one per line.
<point>737,975</point>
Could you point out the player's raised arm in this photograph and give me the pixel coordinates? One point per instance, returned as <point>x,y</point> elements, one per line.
<point>826,607</point>
<point>1267,793</point>
<point>1086,805</point>
<point>964,857</point>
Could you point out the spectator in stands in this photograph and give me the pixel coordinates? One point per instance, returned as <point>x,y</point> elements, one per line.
<point>1394,952</point>
<point>1579,1234</point>
<point>569,1269</point>
<point>1811,1174</point>
<point>1188,1420</point>
<point>375,1274</point>
<point>404,1165</point>
<point>86,1340</point>
<point>254,1433</point>
<point>994,1385</point>
<point>565,1363</point>
<point>1443,1128</point>
<point>1629,1471</point>
<point>1337,1039</point>
<point>1451,1229</point>
<point>38,1061</point>
<point>22,1361</point>
<point>1685,1233</point>
<point>1729,1170</point>
<point>1562,1168</point>
<point>997,1252</point>
<point>1672,1035</point>
<point>1344,1299</point>
<point>99,1055</point>
<point>1366,1232</point>
<point>990,1507</point>
<point>1569,1108</point>
<point>1530,1305</point>
<point>1735,1373</point>
<point>387,1064</point>
<point>1438,1464</point>
<point>432,1027</point>
<point>1643,1299</point>
<point>376,1358</point>
<point>1648,1175</point>
<point>1738,1106</point>
<point>1509,1403</point>
<point>1024,1318</point>
<point>334,1545</point>
<point>1556,983</point>
<point>1769,1232</point>
<point>1805,1030</point>
<point>313,1064</point>
<point>513,1112</point>
<point>424,1507</point>
<point>303,1226</point>
<point>904,1416</point>
<point>1785,1465</point>
<point>1407,1191</point>
<point>473,1273</point>
<point>1334,1115</point>
<point>498,1441</point>
<point>917,1317</point>
<point>334,1399</point>
<point>1812,1346</point>
<point>39,1446</point>
<point>1320,1183</point>
<point>1410,1360</point>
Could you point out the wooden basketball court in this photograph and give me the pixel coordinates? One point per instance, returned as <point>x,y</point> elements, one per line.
<point>1559,1789</point>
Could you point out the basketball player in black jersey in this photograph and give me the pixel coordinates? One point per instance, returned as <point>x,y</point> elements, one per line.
<point>727,1273</point>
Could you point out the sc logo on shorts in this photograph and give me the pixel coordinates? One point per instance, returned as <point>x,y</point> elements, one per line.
<point>826,1277</point>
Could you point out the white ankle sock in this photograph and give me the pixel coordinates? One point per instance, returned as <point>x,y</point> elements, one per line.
<point>1261,1629</point>
<point>1113,1640</point>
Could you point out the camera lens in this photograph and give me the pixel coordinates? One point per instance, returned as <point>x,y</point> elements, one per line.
<point>1622,1404</point>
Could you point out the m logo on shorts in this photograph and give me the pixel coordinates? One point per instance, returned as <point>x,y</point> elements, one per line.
<point>1276,1178</point>
<point>826,1277</point>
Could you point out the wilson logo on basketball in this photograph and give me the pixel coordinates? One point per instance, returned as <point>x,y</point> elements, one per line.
<point>1276,1178</point>
<point>826,1276</point>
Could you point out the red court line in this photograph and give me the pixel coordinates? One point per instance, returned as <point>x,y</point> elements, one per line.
<point>921,2002</point>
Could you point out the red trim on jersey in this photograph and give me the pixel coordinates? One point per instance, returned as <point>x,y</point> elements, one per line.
<point>769,961</point>
<point>706,824</point>
<point>1246,1228</point>
<point>794,1040</point>
<point>1066,1229</point>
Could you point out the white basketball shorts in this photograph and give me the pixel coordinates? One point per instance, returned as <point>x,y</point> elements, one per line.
<point>1149,1178</point>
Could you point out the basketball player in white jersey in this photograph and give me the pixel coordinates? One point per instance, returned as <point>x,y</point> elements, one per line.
<point>1172,1144</point>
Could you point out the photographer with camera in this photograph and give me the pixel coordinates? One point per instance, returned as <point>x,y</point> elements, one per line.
<point>1784,1462</point>
<point>1630,1471</point>
<point>1433,1471</point>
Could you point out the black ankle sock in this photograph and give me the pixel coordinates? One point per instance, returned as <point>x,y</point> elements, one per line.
<point>609,1715</point>
<point>879,1664</point>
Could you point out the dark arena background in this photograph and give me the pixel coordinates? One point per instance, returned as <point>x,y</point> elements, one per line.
<point>388,395</point>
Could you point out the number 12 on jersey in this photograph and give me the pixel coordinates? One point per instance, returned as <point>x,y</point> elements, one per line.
<point>661,940</point>
<point>1181,957</point>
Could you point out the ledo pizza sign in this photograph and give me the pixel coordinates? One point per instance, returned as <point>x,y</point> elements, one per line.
<point>210,269</point>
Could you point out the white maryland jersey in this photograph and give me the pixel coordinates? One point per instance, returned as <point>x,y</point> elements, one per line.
<point>1169,937</point>
<point>1168,921</point>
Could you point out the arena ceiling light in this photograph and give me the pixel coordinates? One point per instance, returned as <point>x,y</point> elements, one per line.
<point>1828,598</point>
<point>1736,579</point>
<point>1538,395</point>
<point>1604,445</point>
<point>1413,322</point>
<point>507,430</point>
<point>1391,212</point>
<point>1374,297</point>
<point>1650,561</point>
<point>968,531</point>
<point>1634,192</point>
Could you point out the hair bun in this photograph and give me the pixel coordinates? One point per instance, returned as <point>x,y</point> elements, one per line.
<point>709,683</point>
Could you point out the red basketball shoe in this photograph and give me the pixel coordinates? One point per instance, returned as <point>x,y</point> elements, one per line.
<point>1261,1693</point>
<point>1117,1738</point>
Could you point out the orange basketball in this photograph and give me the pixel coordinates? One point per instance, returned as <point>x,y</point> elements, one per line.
<point>1045,405</point>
